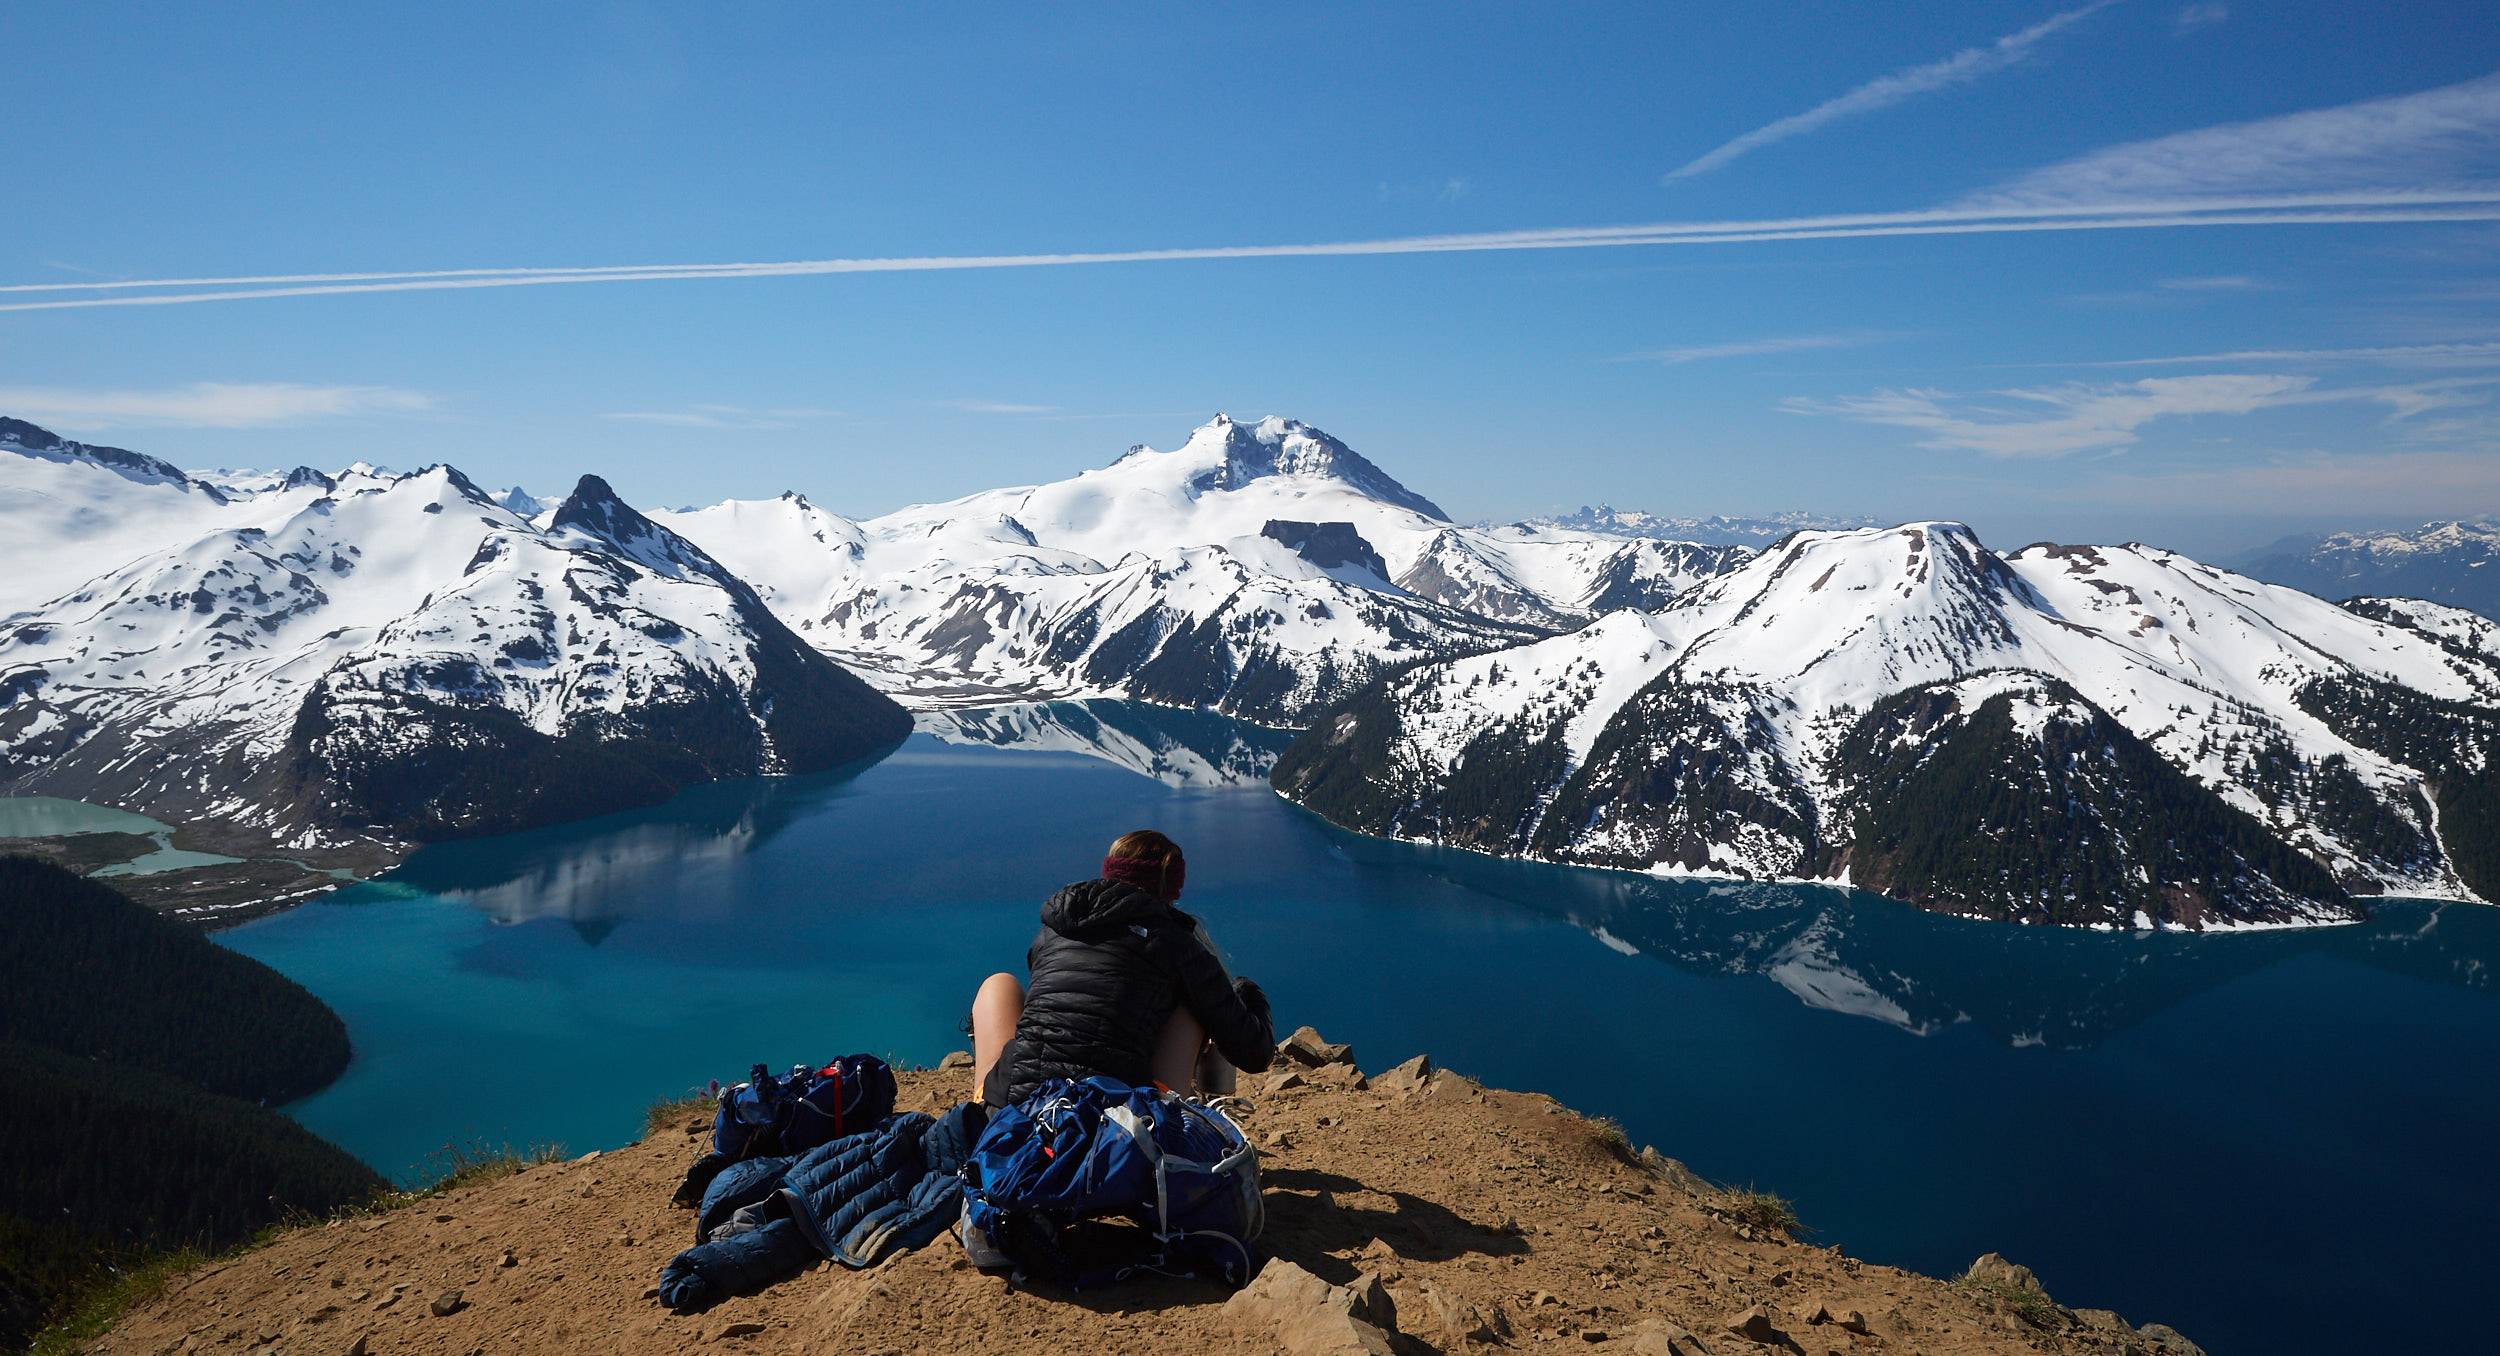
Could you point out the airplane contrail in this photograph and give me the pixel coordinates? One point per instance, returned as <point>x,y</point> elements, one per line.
<point>2313,209</point>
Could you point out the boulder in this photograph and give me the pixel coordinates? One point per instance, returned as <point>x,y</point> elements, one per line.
<point>1463,1320</point>
<point>1368,1300</point>
<point>1755,1324</point>
<point>956,1059</point>
<point>1310,1317</point>
<point>1993,1269</point>
<point>1305,1047</point>
<point>1658,1337</point>
<point>1674,1172</point>
<point>1407,1078</point>
<point>2169,1340</point>
<point>447,1304</point>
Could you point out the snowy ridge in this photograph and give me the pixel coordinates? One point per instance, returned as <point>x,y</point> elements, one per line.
<point>1708,738</point>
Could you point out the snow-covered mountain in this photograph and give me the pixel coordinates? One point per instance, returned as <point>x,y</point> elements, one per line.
<point>325,658</point>
<point>1265,570</point>
<point>2105,735</point>
<point>2455,562</point>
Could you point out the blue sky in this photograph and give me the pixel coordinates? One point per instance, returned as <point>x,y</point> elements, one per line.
<point>2317,345</point>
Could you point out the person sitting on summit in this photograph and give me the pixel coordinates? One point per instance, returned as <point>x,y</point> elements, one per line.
<point>1124,986</point>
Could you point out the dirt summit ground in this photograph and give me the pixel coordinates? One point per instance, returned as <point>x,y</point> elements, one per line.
<point>1430,1213</point>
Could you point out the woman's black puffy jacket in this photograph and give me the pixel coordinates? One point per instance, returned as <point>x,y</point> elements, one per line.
<point>1110,964</point>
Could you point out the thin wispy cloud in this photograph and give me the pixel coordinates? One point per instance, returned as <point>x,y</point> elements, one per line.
<point>204,404</point>
<point>2427,483</point>
<point>994,407</point>
<point>2229,282</point>
<point>1444,191</point>
<point>2082,416</point>
<point>2374,206</point>
<point>2448,135</point>
<point>2412,355</point>
<point>1971,63</point>
<point>1795,343</point>
<point>723,417</point>
<point>2199,16</point>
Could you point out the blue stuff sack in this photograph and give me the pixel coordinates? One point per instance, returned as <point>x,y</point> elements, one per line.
<point>768,1117</point>
<point>1098,1148</point>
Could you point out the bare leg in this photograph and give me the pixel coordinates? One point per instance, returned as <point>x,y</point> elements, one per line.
<point>1185,1062</point>
<point>995,1011</point>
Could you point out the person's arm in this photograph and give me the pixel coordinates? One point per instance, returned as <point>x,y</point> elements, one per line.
<point>1234,1011</point>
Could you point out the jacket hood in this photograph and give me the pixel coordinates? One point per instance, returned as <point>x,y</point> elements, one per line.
<point>1092,904</point>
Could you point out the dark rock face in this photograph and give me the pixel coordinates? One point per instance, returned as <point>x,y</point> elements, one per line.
<point>2456,744</point>
<point>1680,770</point>
<point>2079,823</point>
<point>1328,545</point>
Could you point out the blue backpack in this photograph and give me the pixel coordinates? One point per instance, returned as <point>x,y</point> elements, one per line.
<point>768,1117</point>
<point>1085,1150</point>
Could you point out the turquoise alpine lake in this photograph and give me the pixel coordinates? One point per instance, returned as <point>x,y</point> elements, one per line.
<point>2275,1142</point>
<point>53,817</point>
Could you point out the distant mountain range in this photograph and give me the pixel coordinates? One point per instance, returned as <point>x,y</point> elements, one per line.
<point>2106,736</point>
<point>2456,563</point>
<point>1757,532</point>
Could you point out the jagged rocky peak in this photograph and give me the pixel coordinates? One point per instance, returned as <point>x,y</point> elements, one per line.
<point>595,509</point>
<point>1236,454</point>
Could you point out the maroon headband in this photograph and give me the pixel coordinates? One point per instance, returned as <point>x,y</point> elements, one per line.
<point>1162,879</point>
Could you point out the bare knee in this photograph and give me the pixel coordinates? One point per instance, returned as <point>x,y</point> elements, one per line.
<point>996,1009</point>
<point>1176,1050</point>
<point>999,990</point>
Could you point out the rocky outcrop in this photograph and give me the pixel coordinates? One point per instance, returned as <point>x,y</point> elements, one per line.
<point>1412,1212</point>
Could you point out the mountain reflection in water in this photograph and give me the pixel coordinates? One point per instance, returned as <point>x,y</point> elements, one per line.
<point>1176,748</point>
<point>1857,953</point>
<point>668,861</point>
<point>1835,949</point>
